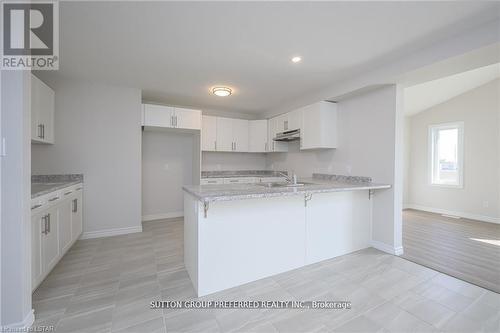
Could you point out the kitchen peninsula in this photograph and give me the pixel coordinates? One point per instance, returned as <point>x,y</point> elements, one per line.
<point>238,233</point>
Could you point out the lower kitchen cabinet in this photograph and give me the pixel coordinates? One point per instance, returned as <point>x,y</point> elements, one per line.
<point>55,227</point>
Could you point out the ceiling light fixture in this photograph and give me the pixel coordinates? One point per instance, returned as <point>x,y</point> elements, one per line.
<point>296,59</point>
<point>222,91</point>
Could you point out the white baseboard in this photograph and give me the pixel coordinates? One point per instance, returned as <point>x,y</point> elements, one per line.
<point>110,232</point>
<point>397,251</point>
<point>477,217</point>
<point>153,217</point>
<point>25,323</point>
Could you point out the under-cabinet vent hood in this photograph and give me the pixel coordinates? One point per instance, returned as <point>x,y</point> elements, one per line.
<point>288,136</point>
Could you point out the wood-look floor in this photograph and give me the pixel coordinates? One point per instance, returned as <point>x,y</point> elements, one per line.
<point>466,249</point>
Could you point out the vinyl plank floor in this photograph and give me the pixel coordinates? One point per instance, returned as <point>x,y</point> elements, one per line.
<point>466,249</point>
<point>106,285</point>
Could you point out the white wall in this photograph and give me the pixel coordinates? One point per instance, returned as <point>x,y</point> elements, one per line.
<point>479,109</point>
<point>167,165</point>
<point>98,133</point>
<point>366,147</point>
<point>15,277</point>
<point>212,161</point>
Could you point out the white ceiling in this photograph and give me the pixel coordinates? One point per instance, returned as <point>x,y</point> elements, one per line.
<point>425,95</point>
<point>175,51</point>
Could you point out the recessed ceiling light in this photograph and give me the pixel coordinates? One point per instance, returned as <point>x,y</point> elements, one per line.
<point>222,91</point>
<point>296,59</point>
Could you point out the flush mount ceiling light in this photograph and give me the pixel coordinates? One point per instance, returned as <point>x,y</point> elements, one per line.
<point>221,91</point>
<point>296,59</point>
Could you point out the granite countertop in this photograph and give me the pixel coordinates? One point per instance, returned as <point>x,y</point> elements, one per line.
<point>319,183</point>
<point>241,173</point>
<point>43,184</point>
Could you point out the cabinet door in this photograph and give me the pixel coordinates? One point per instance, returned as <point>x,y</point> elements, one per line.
<point>187,118</point>
<point>295,120</point>
<point>50,240</point>
<point>240,135</point>
<point>209,133</point>
<point>257,136</point>
<point>282,123</point>
<point>42,111</point>
<point>64,225</point>
<point>224,134</point>
<point>319,128</point>
<point>158,115</point>
<point>275,146</point>
<point>76,216</point>
<point>37,226</point>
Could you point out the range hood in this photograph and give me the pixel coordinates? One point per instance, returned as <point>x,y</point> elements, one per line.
<point>287,136</point>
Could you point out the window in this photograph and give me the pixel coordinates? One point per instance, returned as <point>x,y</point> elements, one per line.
<point>446,151</point>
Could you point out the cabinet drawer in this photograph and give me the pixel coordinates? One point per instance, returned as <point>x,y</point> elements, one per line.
<point>241,180</point>
<point>212,181</point>
<point>272,179</point>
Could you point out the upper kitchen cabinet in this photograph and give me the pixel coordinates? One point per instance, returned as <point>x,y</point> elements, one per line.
<point>208,133</point>
<point>319,126</point>
<point>232,134</point>
<point>42,111</point>
<point>257,135</point>
<point>289,121</point>
<point>275,126</point>
<point>171,117</point>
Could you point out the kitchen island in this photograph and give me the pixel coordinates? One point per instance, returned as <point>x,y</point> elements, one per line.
<point>235,234</point>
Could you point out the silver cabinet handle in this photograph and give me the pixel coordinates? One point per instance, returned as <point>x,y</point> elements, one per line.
<point>175,121</point>
<point>234,181</point>
<point>212,182</point>
<point>54,198</point>
<point>43,131</point>
<point>75,205</point>
<point>215,145</point>
<point>36,206</point>
<point>48,219</point>
<point>68,193</point>
<point>78,189</point>
<point>40,131</point>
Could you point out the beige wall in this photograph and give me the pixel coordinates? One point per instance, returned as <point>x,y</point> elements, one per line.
<point>479,198</point>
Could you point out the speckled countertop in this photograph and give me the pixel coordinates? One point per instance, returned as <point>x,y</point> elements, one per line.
<point>242,173</point>
<point>319,183</point>
<point>43,184</point>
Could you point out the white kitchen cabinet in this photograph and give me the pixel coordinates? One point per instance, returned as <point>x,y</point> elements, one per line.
<point>64,225</point>
<point>240,180</point>
<point>187,118</point>
<point>76,215</point>
<point>224,134</point>
<point>50,239</point>
<point>274,126</point>
<point>257,136</point>
<point>171,117</point>
<point>42,111</point>
<point>56,223</point>
<point>208,133</point>
<point>158,115</point>
<point>212,181</point>
<point>319,126</point>
<point>294,121</point>
<point>232,134</point>
<point>240,135</point>
<point>37,223</point>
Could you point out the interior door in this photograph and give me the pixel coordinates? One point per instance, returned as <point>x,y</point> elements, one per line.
<point>240,135</point>
<point>224,134</point>
<point>187,118</point>
<point>209,133</point>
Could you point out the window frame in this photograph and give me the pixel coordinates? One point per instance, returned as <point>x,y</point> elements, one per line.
<point>459,125</point>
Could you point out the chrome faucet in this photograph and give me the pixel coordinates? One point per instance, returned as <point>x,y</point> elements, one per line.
<point>289,179</point>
